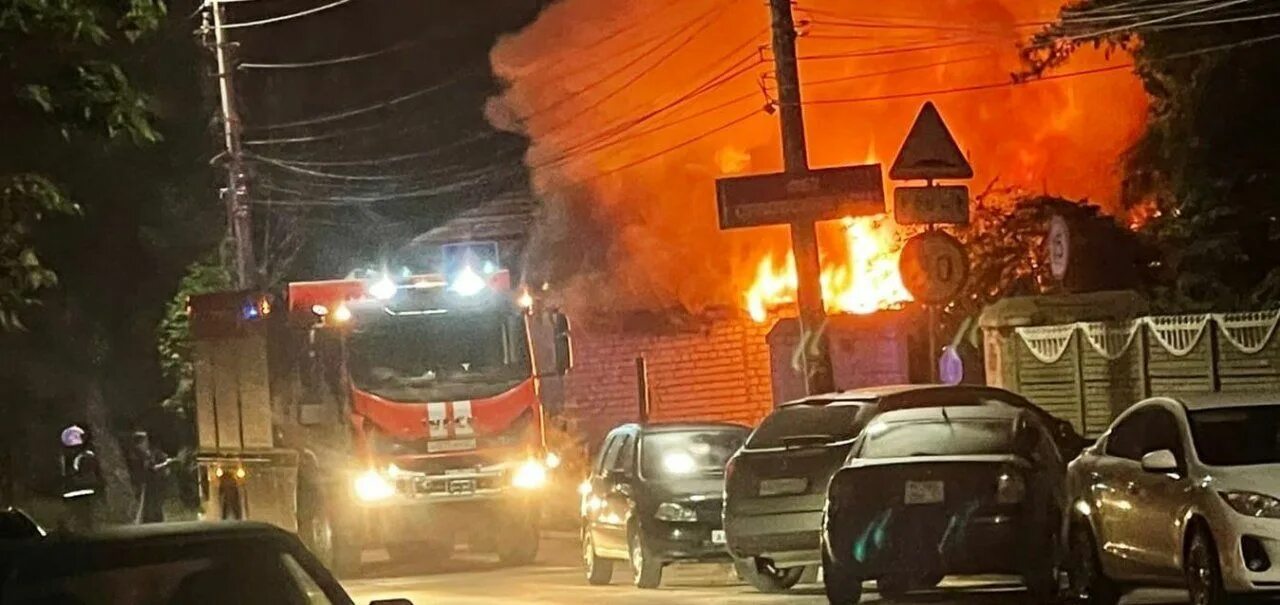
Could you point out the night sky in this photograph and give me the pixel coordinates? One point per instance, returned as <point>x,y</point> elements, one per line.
<point>405,126</point>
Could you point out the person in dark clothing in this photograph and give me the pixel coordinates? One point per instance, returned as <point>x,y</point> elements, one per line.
<point>82,480</point>
<point>148,467</point>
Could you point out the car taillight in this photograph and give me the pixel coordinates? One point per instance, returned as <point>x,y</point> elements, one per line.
<point>1011,488</point>
<point>728,468</point>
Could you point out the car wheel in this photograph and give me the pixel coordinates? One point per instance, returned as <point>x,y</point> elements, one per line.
<point>646,569</point>
<point>1204,575</point>
<point>841,585</point>
<point>1089,583</point>
<point>599,571</point>
<point>518,543</point>
<point>764,577</point>
<point>893,587</point>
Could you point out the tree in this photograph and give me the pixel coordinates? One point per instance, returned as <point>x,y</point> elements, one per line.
<point>1207,160</point>
<point>56,68</point>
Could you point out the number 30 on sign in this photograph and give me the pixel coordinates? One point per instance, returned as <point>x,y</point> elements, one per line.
<point>934,267</point>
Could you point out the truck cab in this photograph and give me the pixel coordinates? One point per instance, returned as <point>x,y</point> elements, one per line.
<point>410,408</point>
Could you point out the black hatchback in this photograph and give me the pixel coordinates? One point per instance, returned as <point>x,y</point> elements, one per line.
<point>776,486</point>
<point>654,498</point>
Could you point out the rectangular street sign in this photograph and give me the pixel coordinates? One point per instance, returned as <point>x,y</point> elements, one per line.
<point>816,195</point>
<point>931,205</point>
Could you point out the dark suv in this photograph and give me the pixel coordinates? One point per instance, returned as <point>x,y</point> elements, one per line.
<point>775,487</point>
<point>654,498</point>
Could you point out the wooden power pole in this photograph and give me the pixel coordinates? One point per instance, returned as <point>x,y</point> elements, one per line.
<point>804,238</point>
<point>239,218</point>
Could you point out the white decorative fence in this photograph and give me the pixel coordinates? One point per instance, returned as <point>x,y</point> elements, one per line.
<point>1089,372</point>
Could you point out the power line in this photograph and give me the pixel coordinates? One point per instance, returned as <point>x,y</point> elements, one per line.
<point>358,111</point>
<point>681,145</point>
<point>1148,22</point>
<point>399,46</point>
<point>971,88</point>
<point>288,17</point>
<point>705,19</point>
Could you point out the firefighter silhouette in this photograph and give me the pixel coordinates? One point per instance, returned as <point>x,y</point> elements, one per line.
<point>230,499</point>
<point>82,484</point>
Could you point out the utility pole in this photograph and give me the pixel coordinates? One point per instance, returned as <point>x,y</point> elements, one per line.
<point>804,238</point>
<point>239,219</point>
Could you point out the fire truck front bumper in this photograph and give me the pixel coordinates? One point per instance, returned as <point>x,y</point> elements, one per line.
<point>426,508</point>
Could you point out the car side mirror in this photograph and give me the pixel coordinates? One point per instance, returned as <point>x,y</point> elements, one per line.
<point>1160,461</point>
<point>391,602</point>
<point>563,343</point>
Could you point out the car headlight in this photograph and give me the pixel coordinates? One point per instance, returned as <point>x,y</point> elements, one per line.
<point>531,474</point>
<point>371,486</point>
<point>1253,504</point>
<point>671,511</point>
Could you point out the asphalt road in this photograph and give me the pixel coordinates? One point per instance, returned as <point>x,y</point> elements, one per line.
<point>557,579</point>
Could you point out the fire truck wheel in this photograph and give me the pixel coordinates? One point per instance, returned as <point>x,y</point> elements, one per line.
<point>335,549</point>
<point>518,545</point>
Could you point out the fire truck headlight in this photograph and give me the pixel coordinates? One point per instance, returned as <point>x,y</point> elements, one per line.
<point>467,282</point>
<point>373,487</point>
<point>342,314</point>
<point>383,289</point>
<point>530,475</point>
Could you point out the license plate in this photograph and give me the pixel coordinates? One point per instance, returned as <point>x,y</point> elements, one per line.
<point>717,536</point>
<point>452,445</point>
<point>462,486</point>
<point>783,487</point>
<point>924,492</point>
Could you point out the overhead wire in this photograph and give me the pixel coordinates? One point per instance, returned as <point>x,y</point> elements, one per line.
<point>358,111</point>
<point>397,47</point>
<point>283,18</point>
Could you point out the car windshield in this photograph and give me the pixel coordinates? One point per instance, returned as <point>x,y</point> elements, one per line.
<point>440,357</point>
<point>1237,436</point>
<point>687,454</point>
<point>187,575</point>
<point>807,424</point>
<point>937,438</point>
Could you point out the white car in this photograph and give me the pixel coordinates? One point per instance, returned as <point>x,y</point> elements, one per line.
<point>1180,491</point>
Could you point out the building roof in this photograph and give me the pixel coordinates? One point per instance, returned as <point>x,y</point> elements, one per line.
<point>1208,401</point>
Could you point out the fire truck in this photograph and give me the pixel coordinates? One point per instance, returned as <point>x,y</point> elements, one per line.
<point>396,411</point>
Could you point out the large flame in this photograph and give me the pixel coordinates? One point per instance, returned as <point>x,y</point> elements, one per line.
<point>867,281</point>
<point>634,108</point>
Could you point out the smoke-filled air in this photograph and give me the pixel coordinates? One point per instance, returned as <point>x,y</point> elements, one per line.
<point>634,108</point>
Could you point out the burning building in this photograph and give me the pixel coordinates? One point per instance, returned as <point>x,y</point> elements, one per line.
<point>633,109</point>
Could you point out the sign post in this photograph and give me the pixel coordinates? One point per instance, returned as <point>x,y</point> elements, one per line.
<point>934,265</point>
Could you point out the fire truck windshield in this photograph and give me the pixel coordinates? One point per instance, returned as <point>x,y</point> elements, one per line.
<point>443,357</point>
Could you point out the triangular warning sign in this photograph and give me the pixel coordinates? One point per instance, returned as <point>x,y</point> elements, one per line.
<point>929,151</point>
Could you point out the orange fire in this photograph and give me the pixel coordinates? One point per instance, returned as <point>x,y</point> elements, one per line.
<point>633,109</point>
<point>866,282</point>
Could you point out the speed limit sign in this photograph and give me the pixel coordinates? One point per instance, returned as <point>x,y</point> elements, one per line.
<point>934,267</point>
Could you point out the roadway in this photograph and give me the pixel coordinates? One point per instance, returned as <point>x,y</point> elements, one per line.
<point>557,579</point>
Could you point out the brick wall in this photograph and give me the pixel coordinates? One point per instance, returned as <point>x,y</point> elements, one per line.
<point>717,369</point>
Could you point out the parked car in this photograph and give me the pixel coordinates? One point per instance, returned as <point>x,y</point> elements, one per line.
<point>1180,491</point>
<point>932,492</point>
<point>18,525</point>
<point>776,486</point>
<point>654,498</point>
<point>179,563</point>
